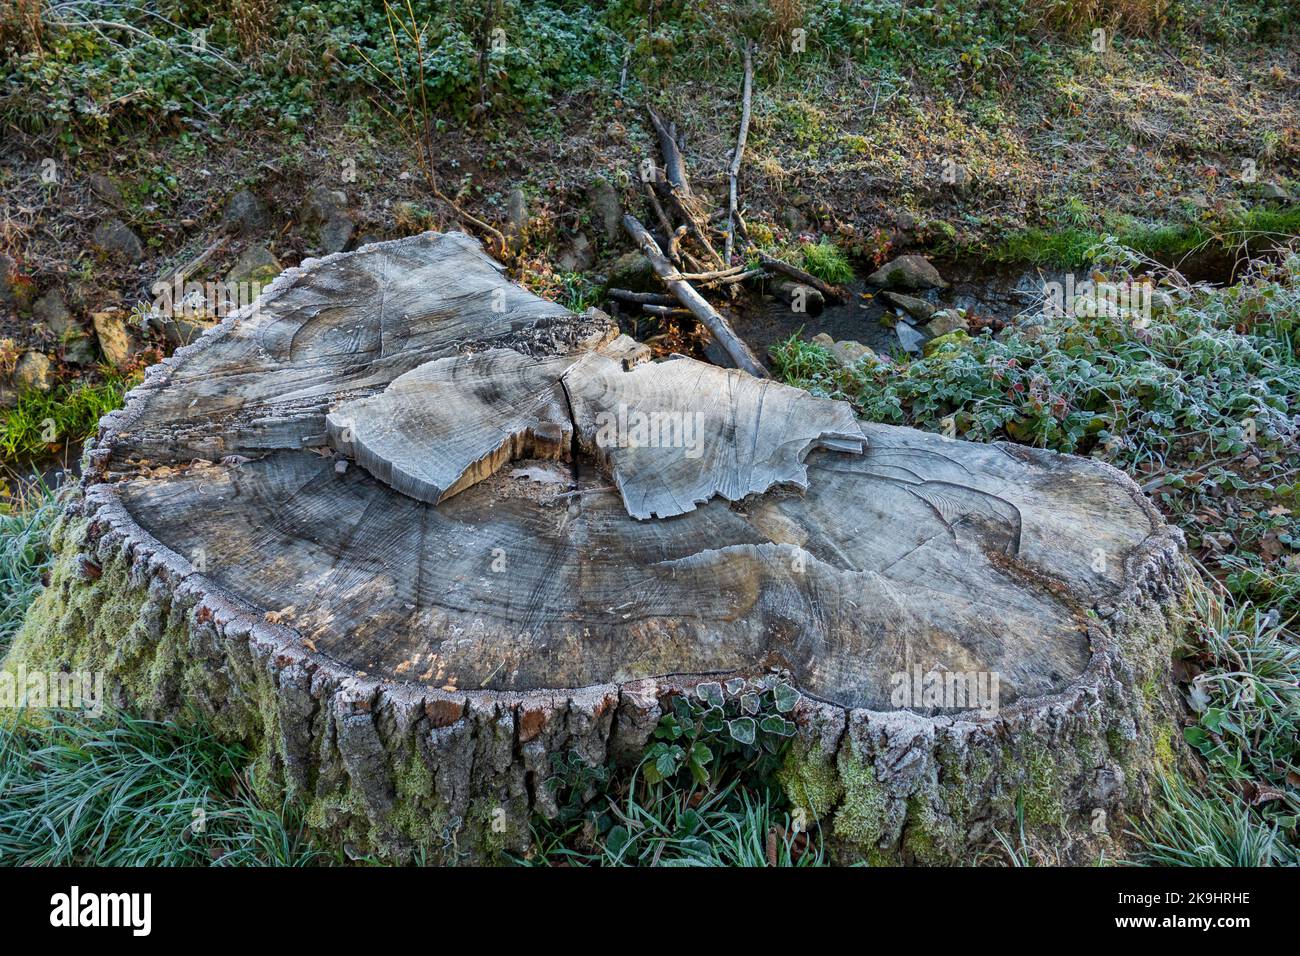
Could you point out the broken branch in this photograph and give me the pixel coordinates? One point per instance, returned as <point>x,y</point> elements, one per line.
<point>723,333</point>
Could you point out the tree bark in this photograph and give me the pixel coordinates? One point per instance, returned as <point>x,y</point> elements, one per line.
<point>409,670</point>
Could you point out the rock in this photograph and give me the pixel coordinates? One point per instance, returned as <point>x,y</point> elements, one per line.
<point>246,214</point>
<point>110,330</point>
<point>327,208</point>
<point>634,272</point>
<point>322,204</point>
<point>908,272</point>
<point>606,208</point>
<point>104,189</point>
<point>846,353</point>
<point>77,348</point>
<point>954,338</point>
<point>335,234</point>
<point>918,309</point>
<point>181,330</point>
<point>1273,191</point>
<point>115,239</point>
<point>32,373</point>
<point>792,218</point>
<point>909,338</point>
<point>75,345</point>
<point>849,353</point>
<point>516,213</point>
<point>945,321</point>
<point>51,311</point>
<point>578,256</point>
<point>255,264</point>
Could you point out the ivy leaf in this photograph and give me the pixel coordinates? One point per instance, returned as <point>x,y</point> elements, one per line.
<point>742,730</point>
<point>710,693</point>
<point>787,698</point>
<point>775,724</point>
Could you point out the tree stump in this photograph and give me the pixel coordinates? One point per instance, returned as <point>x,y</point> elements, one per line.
<point>371,526</point>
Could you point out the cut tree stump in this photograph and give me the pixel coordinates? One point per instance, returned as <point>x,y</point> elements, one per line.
<point>409,626</point>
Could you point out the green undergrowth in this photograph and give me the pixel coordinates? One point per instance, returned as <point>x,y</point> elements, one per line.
<point>1074,247</point>
<point>705,793</point>
<point>24,555</point>
<point>1199,402</point>
<point>42,422</point>
<point>120,791</point>
<point>84,72</point>
<point>826,261</point>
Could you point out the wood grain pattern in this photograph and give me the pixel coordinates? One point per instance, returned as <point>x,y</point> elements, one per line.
<point>673,435</point>
<point>799,538</point>
<point>413,668</point>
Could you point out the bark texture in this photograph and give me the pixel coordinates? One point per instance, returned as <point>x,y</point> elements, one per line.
<point>411,669</point>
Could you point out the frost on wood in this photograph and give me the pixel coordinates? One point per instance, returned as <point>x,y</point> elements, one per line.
<point>671,435</point>
<point>451,423</point>
<point>675,434</point>
<point>409,669</point>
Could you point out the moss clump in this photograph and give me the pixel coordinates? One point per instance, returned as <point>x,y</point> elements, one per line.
<point>108,620</point>
<point>1162,743</point>
<point>414,813</point>
<point>1040,790</point>
<point>860,819</point>
<point>494,827</point>
<point>810,781</point>
<point>929,837</point>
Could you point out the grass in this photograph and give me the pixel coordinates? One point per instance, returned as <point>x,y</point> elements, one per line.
<point>129,792</point>
<point>24,556</point>
<point>120,791</point>
<point>1208,827</point>
<point>1077,246</point>
<point>823,258</point>
<point>827,262</point>
<point>663,825</point>
<point>41,422</point>
<point>1243,684</point>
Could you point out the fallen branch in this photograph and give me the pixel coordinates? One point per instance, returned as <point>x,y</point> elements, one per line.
<point>627,295</point>
<point>674,165</point>
<point>739,155</point>
<point>665,311</point>
<point>739,277</point>
<point>831,293</point>
<point>723,333</point>
<point>711,275</point>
